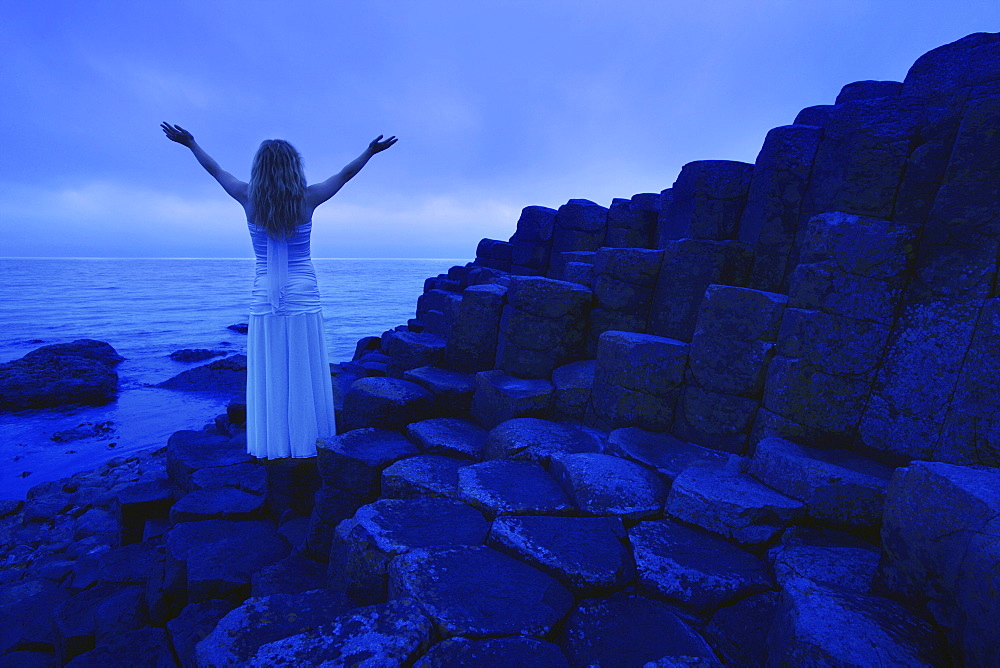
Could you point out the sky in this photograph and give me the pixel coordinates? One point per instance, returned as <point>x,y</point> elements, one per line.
<point>497,106</point>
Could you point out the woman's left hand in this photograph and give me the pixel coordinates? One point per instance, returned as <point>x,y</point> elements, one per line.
<point>379,145</point>
<point>178,134</point>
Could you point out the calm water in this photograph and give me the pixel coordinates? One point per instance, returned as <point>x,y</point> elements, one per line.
<point>146,309</point>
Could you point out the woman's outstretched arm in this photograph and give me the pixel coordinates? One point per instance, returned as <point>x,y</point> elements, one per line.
<point>320,192</point>
<point>237,189</point>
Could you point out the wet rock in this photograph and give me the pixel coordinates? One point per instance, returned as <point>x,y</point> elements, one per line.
<point>945,553</point>
<point>537,440</point>
<point>102,430</point>
<point>738,632</point>
<point>731,504</point>
<point>572,383</point>
<point>478,592</point>
<point>493,653</point>
<point>422,475</point>
<point>385,403</point>
<point>189,451</point>
<point>216,558</point>
<point>240,327</point>
<point>139,648</point>
<point>628,630</point>
<point>587,554</point>
<point>693,568</point>
<point>388,634</point>
<point>850,568</point>
<point>452,437</point>
<point>195,354</point>
<point>81,372</point>
<point>853,492</point>
<point>259,621</point>
<point>820,625</point>
<point>452,390</point>
<point>225,376</point>
<point>195,622</point>
<point>217,503</point>
<point>668,454</point>
<point>364,545</point>
<point>600,484</point>
<point>500,396</point>
<point>512,488</point>
<point>291,575</point>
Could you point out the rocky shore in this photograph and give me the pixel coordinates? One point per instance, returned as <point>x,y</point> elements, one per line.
<point>749,420</point>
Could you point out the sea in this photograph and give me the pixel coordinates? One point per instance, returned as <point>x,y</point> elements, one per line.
<point>147,308</point>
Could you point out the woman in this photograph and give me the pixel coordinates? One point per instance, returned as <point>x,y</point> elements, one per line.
<point>289,393</point>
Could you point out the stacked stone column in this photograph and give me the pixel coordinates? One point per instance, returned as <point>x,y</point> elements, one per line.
<point>624,280</point>
<point>531,244</point>
<point>580,225</point>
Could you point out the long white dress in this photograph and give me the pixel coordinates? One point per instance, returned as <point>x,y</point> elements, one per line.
<point>289,390</point>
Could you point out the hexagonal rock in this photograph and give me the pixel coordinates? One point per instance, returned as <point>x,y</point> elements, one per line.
<point>352,462</point>
<point>537,440</point>
<point>216,558</point>
<point>409,350</point>
<point>218,503</point>
<point>452,390</point>
<point>448,436</point>
<point>667,454</point>
<point>249,477</point>
<point>851,568</point>
<point>731,504</point>
<point>142,501</point>
<point>389,634</point>
<point>258,621</point>
<point>853,489</point>
<point>195,622</point>
<point>500,396</point>
<point>385,403</point>
<point>587,554</point>
<point>364,544</point>
<point>738,632</point>
<point>607,485</point>
<point>188,451</point>
<point>504,487</point>
<point>493,653</point>
<point>628,630</point>
<point>692,567</point>
<point>478,592</point>
<point>422,475</point>
<point>817,625</point>
<point>572,383</point>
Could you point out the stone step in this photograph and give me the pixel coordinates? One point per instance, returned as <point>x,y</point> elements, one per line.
<point>599,484</point>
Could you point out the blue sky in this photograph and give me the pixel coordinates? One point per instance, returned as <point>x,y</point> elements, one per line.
<point>497,105</point>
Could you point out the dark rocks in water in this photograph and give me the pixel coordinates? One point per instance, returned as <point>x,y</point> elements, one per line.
<point>216,558</point>
<point>81,372</point>
<point>103,430</point>
<point>629,630</point>
<point>692,568</point>
<point>258,621</point>
<point>240,327</point>
<point>478,592</point>
<point>493,653</point>
<point>364,545</point>
<point>225,376</point>
<point>387,634</point>
<point>195,354</point>
<point>587,554</point>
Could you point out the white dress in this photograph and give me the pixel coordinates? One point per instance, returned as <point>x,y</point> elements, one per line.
<point>289,390</point>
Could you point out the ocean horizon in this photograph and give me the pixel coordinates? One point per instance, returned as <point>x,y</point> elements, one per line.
<point>147,308</point>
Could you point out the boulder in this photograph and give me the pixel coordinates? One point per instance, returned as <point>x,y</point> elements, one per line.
<point>493,653</point>
<point>599,484</point>
<point>259,621</point>
<point>225,376</point>
<point>500,396</point>
<point>388,634</point>
<point>731,504</point>
<point>478,592</point>
<point>512,488</point>
<point>536,440</point>
<point>535,224</point>
<point>629,630</point>
<point>216,558</point>
<point>452,437</point>
<point>195,354</point>
<point>385,403</point>
<point>587,554</point>
<point>422,475</point>
<point>81,372</point>
<point>364,545</point>
<point>195,622</point>
<point>854,487</point>
<point>693,568</point>
<point>717,420</point>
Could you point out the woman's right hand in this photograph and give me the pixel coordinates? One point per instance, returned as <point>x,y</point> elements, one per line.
<point>377,145</point>
<point>177,133</point>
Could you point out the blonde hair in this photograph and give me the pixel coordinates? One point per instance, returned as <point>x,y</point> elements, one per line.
<point>277,187</point>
